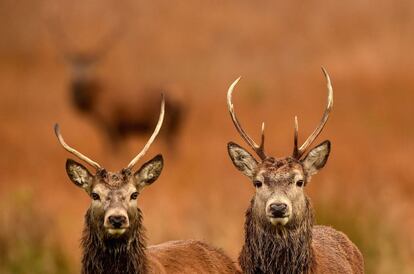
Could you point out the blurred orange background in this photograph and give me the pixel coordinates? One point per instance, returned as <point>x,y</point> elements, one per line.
<point>198,48</point>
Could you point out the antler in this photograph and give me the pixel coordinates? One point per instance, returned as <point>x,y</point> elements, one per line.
<point>259,149</point>
<point>74,151</point>
<point>152,138</point>
<point>136,158</point>
<point>298,152</point>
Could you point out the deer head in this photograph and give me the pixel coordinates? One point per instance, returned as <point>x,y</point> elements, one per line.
<point>280,199</point>
<point>113,208</point>
<point>85,85</point>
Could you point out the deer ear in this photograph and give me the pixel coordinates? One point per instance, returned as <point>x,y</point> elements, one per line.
<point>242,159</point>
<point>316,158</point>
<point>78,174</point>
<point>149,172</point>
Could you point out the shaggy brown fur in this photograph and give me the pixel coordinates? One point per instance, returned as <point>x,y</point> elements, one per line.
<point>104,253</point>
<point>129,254</point>
<point>276,249</point>
<point>297,248</point>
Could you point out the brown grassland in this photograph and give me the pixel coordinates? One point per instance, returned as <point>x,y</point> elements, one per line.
<point>199,48</point>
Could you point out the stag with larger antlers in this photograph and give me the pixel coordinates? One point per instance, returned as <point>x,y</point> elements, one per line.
<point>113,238</point>
<point>280,236</point>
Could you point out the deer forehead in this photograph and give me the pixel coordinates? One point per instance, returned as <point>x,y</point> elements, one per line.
<point>113,180</point>
<point>114,188</point>
<point>280,171</point>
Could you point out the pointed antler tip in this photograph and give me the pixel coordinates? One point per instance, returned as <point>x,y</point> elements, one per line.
<point>324,119</point>
<point>152,138</point>
<point>325,72</point>
<point>72,150</point>
<point>235,82</point>
<point>259,149</point>
<point>56,128</point>
<point>230,92</point>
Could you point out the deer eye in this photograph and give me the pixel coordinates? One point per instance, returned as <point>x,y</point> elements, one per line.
<point>134,196</point>
<point>95,196</point>
<point>300,183</point>
<point>257,183</point>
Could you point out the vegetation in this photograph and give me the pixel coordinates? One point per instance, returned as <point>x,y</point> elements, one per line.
<point>383,251</point>
<point>25,243</point>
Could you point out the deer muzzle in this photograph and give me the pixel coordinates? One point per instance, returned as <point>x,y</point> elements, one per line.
<point>278,211</point>
<point>116,221</point>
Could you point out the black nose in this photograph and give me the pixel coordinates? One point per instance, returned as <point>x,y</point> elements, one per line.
<point>117,220</point>
<point>278,210</point>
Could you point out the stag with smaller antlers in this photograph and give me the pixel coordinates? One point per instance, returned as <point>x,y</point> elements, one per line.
<point>280,235</point>
<point>113,238</point>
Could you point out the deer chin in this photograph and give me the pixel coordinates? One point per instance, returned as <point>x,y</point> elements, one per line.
<point>279,221</point>
<point>116,231</point>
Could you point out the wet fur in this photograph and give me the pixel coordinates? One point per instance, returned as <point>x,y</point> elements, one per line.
<point>270,249</point>
<point>102,254</point>
<point>128,254</point>
<point>297,248</point>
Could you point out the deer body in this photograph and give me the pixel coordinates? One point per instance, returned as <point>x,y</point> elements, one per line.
<point>118,113</point>
<point>280,236</point>
<point>113,238</point>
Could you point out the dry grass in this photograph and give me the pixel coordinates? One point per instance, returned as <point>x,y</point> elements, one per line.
<point>27,243</point>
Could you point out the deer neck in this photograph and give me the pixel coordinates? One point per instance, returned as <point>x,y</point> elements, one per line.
<point>269,249</point>
<point>122,255</point>
<point>85,93</point>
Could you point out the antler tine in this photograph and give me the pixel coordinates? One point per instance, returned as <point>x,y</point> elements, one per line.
<point>259,149</point>
<point>295,140</point>
<point>324,119</point>
<point>74,151</point>
<point>152,138</point>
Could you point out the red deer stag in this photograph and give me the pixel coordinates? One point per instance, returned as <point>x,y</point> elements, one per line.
<point>280,236</point>
<point>119,113</point>
<point>113,238</point>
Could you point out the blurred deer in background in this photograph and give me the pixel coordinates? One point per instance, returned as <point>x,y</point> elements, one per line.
<point>280,236</point>
<point>113,238</point>
<point>117,113</point>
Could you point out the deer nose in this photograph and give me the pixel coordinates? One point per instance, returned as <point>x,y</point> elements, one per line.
<point>117,221</point>
<point>278,210</point>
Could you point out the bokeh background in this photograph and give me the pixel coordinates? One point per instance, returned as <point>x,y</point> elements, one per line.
<point>198,48</point>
